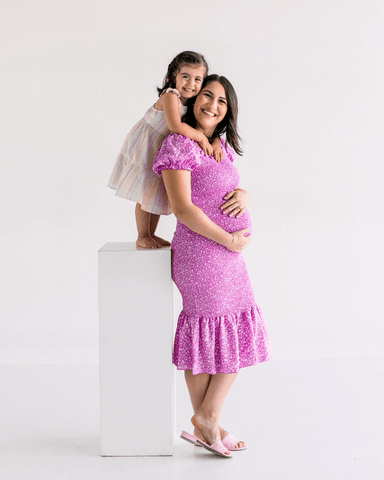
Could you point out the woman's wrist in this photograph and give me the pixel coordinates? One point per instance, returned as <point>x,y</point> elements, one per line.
<point>230,240</point>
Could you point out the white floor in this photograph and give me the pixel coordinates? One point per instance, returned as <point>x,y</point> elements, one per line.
<point>315,420</point>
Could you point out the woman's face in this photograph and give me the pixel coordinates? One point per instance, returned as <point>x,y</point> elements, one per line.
<point>210,108</point>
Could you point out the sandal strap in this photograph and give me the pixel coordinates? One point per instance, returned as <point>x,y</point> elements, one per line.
<point>230,441</point>
<point>219,446</point>
<point>216,447</point>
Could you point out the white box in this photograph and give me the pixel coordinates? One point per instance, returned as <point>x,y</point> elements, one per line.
<point>137,394</point>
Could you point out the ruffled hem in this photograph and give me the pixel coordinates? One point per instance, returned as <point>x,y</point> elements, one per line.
<point>221,344</point>
<point>146,188</point>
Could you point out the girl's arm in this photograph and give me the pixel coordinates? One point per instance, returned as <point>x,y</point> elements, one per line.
<point>171,108</point>
<point>178,186</point>
<point>217,150</point>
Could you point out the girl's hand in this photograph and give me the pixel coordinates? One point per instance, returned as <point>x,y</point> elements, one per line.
<point>236,203</point>
<point>206,146</point>
<point>217,150</point>
<point>239,241</point>
<point>219,155</point>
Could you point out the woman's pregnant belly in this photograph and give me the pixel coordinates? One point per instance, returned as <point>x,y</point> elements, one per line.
<point>212,208</point>
<point>230,224</point>
<point>211,279</point>
<point>223,220</point>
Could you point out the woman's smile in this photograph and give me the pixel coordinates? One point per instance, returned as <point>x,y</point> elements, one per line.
<point>210,107</point>
<point>209,114</point>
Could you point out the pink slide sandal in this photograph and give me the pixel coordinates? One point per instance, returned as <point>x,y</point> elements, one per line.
<point>217,448</point>
<point>229,441</point>
<point>188,437</point>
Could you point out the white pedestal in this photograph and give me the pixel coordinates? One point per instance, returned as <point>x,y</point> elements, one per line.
<point>137,402</point>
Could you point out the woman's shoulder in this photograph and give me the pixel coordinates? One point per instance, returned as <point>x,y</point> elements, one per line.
<point>177,152</point>
<point>180,142</point>
<point>230,153</point>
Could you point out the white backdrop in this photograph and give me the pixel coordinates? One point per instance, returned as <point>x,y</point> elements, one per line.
<point>75,77</point>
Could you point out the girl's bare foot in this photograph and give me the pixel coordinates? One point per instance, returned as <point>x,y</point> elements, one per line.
<point>147,242</point>
<point>161,241</point>
<point>223,434</point>
<point>208,429</point>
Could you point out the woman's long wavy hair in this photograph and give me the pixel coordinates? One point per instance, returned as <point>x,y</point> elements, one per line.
<point>229,123</point>
<point>183,58</point>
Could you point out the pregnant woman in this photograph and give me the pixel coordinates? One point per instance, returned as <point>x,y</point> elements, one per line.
<point>220,328</point>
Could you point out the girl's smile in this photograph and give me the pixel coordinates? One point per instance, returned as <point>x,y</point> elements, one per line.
<point>189,80</point>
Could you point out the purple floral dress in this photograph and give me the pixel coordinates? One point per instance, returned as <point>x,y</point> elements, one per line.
<point>220,329</point>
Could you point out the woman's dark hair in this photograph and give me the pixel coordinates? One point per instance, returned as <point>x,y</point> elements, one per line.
<point>229,123</point>
<point>183,58</point>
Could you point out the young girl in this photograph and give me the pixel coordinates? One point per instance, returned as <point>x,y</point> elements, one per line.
<point>132,176</point>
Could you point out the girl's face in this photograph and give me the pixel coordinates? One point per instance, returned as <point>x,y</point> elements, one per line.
<point>210,108</point>
<point>189,80</point>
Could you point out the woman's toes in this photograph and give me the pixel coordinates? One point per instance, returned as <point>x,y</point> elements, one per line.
<point>238,445</point>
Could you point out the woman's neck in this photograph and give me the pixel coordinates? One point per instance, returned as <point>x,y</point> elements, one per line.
<point>208,132</point>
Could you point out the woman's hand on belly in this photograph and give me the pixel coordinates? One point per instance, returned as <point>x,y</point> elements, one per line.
<point>239,240</point>
<point>237,202</point>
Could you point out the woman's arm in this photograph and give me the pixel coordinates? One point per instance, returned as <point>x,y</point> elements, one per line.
<point>171,109</point>
<point>178,186</point>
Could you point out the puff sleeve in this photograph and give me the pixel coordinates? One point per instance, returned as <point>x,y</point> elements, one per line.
<point>177,153</point>
<point>229,152</point>
<point>173,90</point>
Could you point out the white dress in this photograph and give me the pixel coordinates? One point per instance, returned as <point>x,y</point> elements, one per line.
<point>132,176</point>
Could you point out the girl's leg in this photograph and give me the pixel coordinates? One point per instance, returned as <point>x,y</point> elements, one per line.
<point>143,221</point>
<point>152,229</point>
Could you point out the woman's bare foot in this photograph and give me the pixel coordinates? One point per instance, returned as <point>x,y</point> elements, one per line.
<point>161,241</point>
<point>147,242</point>
<point>223,434</point>
<point>207,428</point>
